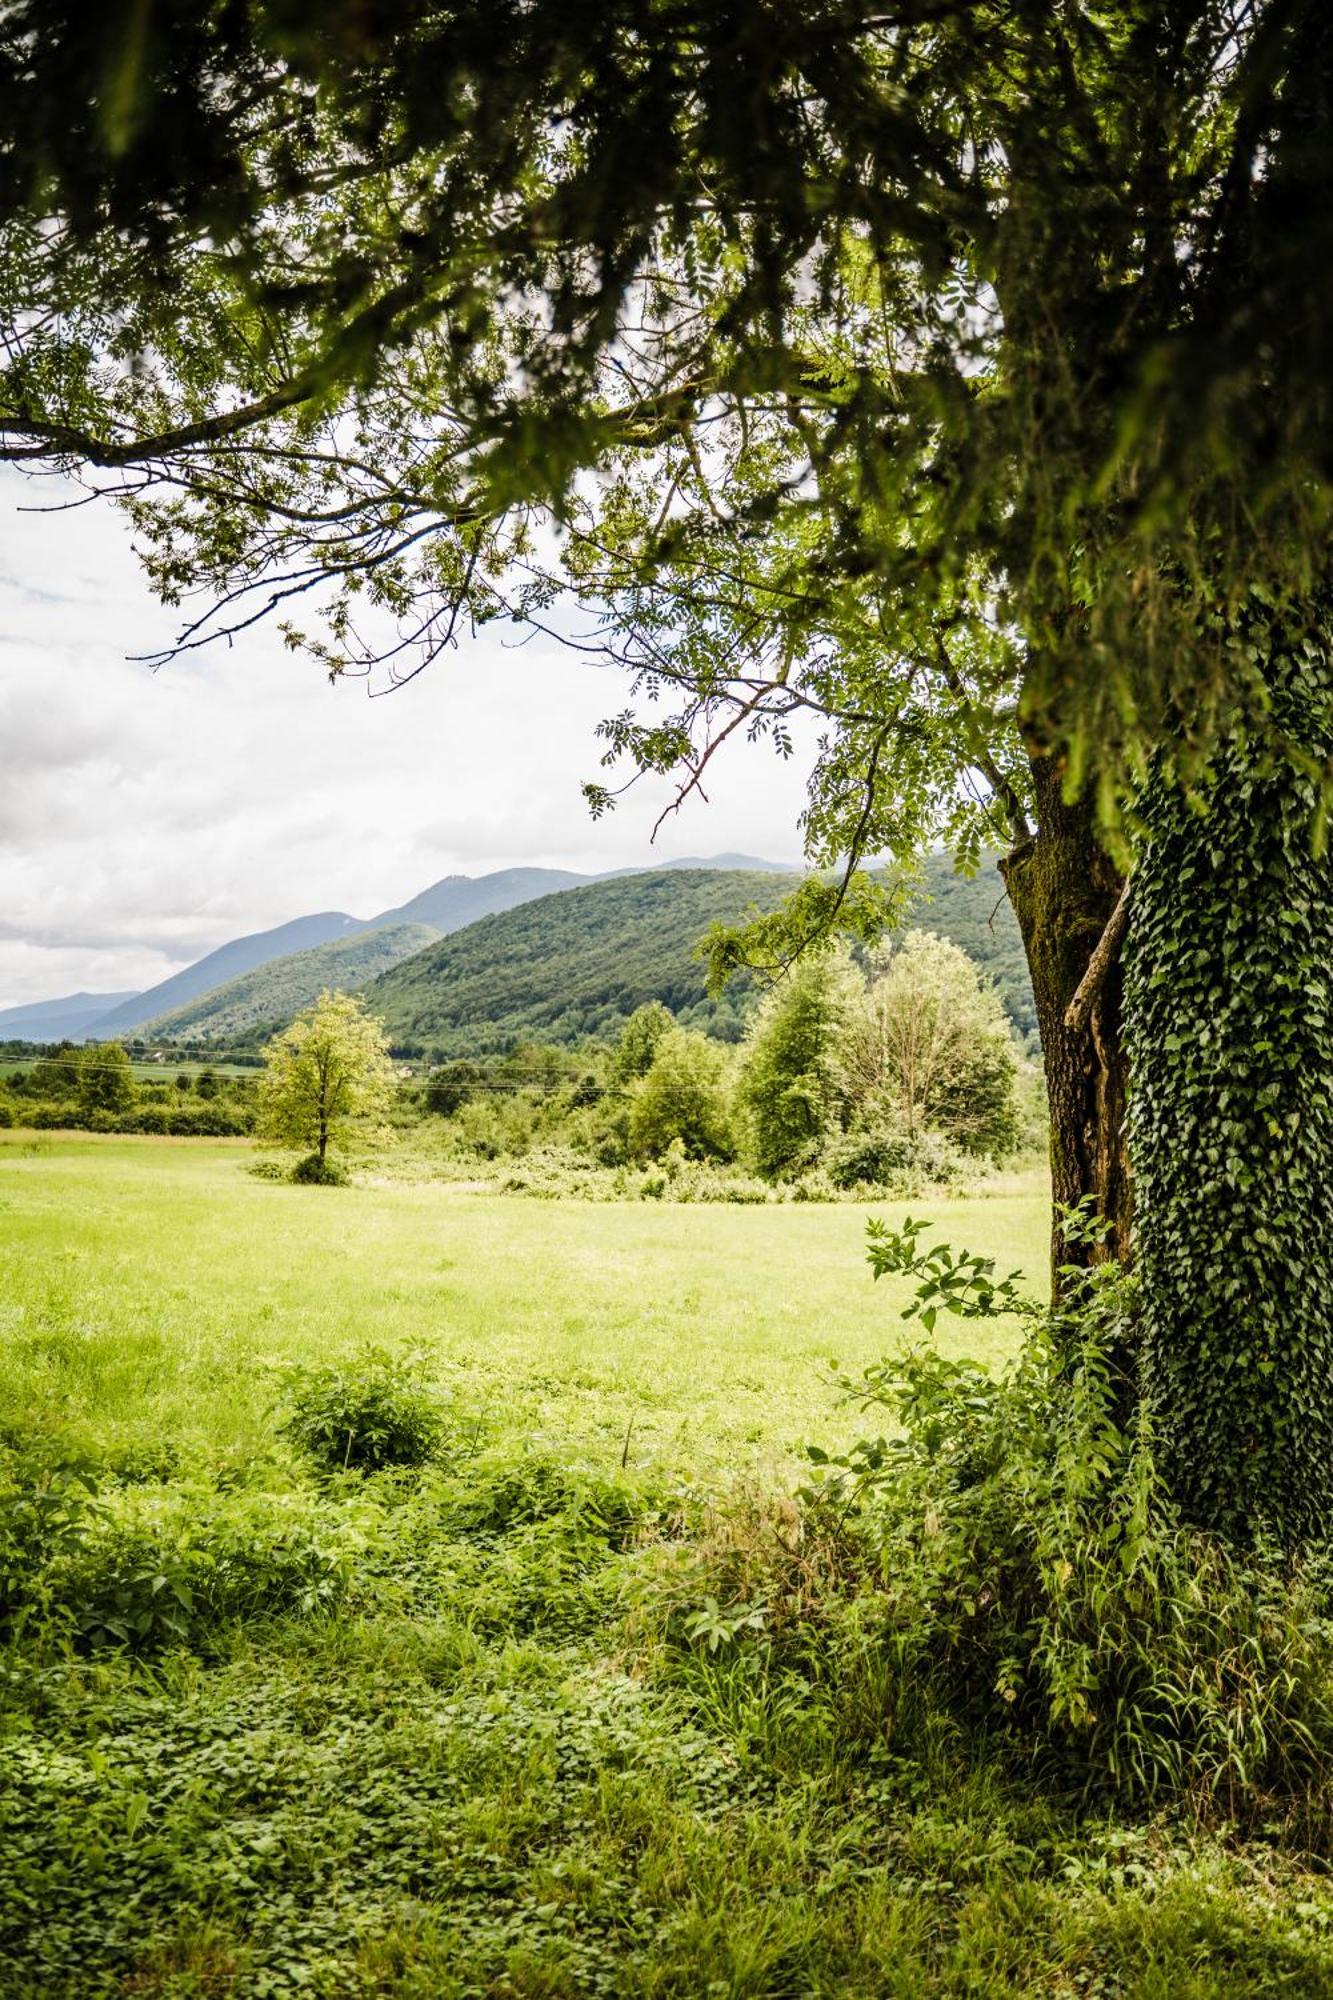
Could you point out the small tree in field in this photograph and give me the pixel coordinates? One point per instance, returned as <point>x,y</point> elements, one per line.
<point>331,1066</point>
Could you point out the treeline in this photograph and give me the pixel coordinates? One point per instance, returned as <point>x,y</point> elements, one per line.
<point>93,1088</point>
<point>849,1076</point>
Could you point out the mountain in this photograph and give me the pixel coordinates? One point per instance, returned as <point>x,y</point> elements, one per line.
<point>460,899</point>
<point>220,999</point>
<point>246,1009</point>
<point>65,1020</point>
<point>573,964</point>
<point>229,961</point>
<point>446,906</point>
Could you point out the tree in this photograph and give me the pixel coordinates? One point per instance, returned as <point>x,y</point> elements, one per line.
<point>927,1047</point>
<point>330,1067</point>
<point>682,1097</point>
<point>56,1074</point>
<point>639,1041</point>
<point>791,1087</point>
<point>105,1078</point>
<point>450,1086</point>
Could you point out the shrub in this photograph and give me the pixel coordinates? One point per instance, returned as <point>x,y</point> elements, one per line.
<point>1003,1556</point>
<point>46,1513</point>
<point>364,1415</point>
<point>147,1586</point>
<point>314,1172</point>
<point>903,1161</point>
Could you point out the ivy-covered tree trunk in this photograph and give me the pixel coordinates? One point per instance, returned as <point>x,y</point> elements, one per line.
<point>1064,889</point>
<point>1229,1026</point>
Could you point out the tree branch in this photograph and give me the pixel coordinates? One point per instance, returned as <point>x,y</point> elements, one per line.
<point>1079,1011</point>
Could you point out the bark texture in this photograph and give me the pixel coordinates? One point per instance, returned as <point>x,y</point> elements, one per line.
<point>1065,889</point>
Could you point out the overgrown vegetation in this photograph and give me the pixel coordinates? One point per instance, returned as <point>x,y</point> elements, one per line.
<point>580,1703</point>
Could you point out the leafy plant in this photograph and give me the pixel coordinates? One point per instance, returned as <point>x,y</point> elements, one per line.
<point>364,1415</point>
<point>314,1172</point>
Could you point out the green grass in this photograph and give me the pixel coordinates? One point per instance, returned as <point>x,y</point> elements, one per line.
<point>473,1771</point>
<point>711,1327</point>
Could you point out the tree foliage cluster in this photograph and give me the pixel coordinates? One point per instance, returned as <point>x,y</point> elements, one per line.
<point>897,1074</point>
<point>93,1087</point>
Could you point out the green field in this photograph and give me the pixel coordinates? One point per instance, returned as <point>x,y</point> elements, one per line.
<point>422,1733</point>
<point>184,1280</point>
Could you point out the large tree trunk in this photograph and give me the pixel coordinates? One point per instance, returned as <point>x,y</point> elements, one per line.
<point>1064,889</point>
<point>1229,1019</point>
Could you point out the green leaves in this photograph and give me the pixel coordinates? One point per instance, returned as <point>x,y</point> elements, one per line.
<point>1228,995</point>
<point>957,1282</point>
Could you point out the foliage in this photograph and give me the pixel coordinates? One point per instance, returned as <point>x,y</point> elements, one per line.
<point>105,1079</point>
<point>1229,1000</point>
<point>364,1415</point>
<point>1005,1559</point>
<point>682,1100</point>
<point>572,965</point>
<point>450,1086</point>
<point>928,1048</point>
<point>639,1041</point>
<point>884,1159</point>
<point>790,1083</point>
<point>329,1068</point>
<point>312,1171</point>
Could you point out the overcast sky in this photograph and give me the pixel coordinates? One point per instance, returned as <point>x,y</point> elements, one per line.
<point>146,817</point>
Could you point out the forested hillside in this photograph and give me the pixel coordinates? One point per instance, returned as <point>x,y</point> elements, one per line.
<point>573,965</point>
<point>245,1009</point>
<point>576,964</point>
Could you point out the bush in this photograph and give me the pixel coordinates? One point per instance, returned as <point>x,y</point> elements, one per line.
<point>146,1587</point>
<point>1003,1558</point>
<point>364,1415</point>
<point>905,1162</point>
<point>314,1172</point>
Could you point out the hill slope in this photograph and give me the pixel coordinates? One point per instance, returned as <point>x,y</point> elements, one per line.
<point>572,965</point>
<point>246,1008</point>
<point>229,961</point>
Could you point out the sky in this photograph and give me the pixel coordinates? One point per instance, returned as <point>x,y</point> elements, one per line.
<point>147,816</point>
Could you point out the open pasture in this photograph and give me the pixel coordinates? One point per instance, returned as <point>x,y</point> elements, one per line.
<point>153,1286</point>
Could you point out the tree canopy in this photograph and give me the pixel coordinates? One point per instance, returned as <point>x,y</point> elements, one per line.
<point>981,343</point>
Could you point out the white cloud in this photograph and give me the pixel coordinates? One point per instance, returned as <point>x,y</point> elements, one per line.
<point>146,817</point>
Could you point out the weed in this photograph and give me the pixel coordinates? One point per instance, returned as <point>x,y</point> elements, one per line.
<point>365,1415</point>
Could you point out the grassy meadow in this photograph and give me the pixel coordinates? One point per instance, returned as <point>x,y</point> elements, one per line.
<point>272,1727</point>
